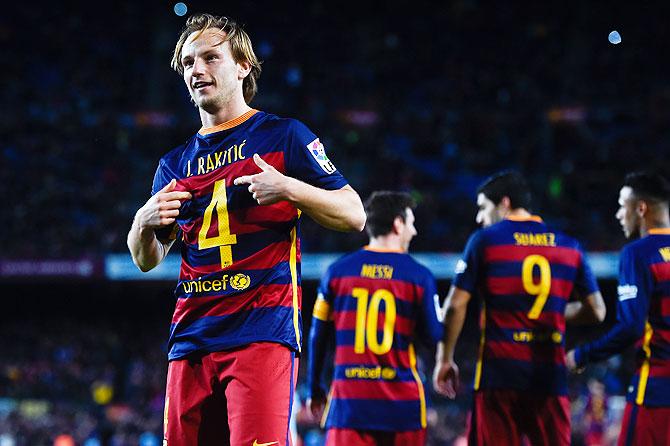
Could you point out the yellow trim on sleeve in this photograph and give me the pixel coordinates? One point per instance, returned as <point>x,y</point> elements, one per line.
<point>293,265</point>
<point>644,370</point>
<point>324,417</point>
<point>422,396</point>
<point>321,309</point>
<point>480,355</point>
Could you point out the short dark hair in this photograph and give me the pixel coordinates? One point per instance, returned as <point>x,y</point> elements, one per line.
<point>382,208</point>
<point>508,183</point>
<point>649,186</point>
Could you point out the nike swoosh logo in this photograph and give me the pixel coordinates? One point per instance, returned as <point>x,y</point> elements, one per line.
<point>256,443</point>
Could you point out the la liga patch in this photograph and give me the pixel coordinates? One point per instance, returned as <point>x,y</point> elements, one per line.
<point>319,153</point>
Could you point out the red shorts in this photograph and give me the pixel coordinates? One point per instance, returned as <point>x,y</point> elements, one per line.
<point>645,426</point>
<point>352,437</point>
<point>233,397</point>
<point>504,417</point>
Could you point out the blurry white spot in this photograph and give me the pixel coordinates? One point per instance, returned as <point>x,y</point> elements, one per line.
<point>614,37</point>
<point>180,9</point>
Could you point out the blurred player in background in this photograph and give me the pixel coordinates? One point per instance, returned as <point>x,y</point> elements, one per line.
<point>643,310</point>
<point>525,274</point>
<point>379,301</point>
<point>235,190</point>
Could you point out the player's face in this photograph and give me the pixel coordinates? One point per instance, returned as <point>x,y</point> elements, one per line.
<point>408,230</point>
<point>212,76</point>
<point>627,214</point>
<point>487,213</point>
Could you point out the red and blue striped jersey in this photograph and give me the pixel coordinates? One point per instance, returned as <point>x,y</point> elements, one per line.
<point>379,304</point>
<point>525,274</point>
<point>240,272</point>
<point>643,319</point>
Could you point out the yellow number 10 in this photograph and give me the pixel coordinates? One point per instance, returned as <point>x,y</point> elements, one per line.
<point>366,320</point>
<point>540,289</point>
<point>225,239</point>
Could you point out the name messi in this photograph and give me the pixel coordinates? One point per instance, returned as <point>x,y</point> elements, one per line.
<point>530,239</point>
<point>377,271</point>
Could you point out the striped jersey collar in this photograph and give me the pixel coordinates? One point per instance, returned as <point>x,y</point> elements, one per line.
<point>368,248</point>
<point>534,218</point>
<point>228,124</point>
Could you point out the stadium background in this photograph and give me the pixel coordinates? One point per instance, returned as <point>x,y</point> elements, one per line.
<point>420,97</point>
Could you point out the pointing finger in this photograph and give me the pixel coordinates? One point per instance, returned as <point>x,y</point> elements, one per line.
<point>261,163</point>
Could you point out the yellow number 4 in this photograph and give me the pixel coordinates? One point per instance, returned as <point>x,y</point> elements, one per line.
<point>539,289</point>
<point>367,319</point>
<point>225,239</point>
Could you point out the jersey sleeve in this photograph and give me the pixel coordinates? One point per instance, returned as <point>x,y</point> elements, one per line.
<point>307,161</point>
<point>467,268</point>
<point>585,280</point>
<point>430,314</point>
<point>634,290</point>
<point>161,178</point>
<point>319,334</point>
<point>324,299</point>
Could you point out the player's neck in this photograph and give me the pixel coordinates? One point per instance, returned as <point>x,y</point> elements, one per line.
<point>654,221</point>
<point>518,213</point>
<point>386,243</point>
<point>230,111</point>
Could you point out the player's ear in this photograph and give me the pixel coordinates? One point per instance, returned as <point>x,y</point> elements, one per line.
<point>397,225</point>
<point>243,69</point>
<point>641,208</point>
<point>506,202</point>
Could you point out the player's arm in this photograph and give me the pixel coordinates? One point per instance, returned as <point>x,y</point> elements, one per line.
<point>339,209</point>
<point>317,349</point>
<point>160,211</point>
<point>430,325</point>
<point>590,310</point>
<point>632,313</point>
<point>445,377</point>
<point>628,329</point>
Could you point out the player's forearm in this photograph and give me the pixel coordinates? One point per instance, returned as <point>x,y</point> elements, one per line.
<point>146,250</point>
<point>341,210</point>
<point>453,325</point>
<point>614,341</point>
<point>591,311</point>
<point>316,356</point>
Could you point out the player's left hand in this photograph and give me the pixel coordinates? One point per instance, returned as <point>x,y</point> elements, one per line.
<point>267,187</point>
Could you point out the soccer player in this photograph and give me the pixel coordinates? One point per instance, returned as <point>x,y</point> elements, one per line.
<point>643,310</point>
<point>379,301</point>
<point>235,191</point>
<point>525,274</point>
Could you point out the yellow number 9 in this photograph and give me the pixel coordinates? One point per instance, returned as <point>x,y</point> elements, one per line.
<point>540,289</point>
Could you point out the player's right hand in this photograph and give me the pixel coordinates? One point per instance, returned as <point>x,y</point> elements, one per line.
<point>445,379</point>
<point>316,406</point>
<point>162,209</point>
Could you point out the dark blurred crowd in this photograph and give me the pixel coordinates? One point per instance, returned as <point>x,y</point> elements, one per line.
<point>425,99</point>
<point>67,381</point>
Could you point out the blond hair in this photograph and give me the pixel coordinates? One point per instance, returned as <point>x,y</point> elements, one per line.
<point>240,46</point>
